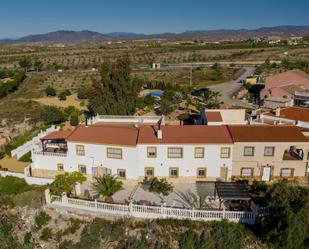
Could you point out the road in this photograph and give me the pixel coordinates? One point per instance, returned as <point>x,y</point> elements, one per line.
<point>228,89</point>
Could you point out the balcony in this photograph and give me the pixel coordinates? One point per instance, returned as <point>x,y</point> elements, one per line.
<point>293,153</point>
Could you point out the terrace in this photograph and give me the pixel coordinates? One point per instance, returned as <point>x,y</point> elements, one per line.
<point>293,153</point>
<point>54,144</point>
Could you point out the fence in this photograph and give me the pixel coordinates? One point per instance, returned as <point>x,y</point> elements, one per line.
<point>28,179</point>
<point>30,145</point>
<point>148,212</point>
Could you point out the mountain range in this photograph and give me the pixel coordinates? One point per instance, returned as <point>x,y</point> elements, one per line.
<point>86,35</point>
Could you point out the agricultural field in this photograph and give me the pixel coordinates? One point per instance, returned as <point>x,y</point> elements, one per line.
<point>90,55</point>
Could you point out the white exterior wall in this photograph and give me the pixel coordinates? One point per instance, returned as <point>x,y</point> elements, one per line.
<point>134,160</point>
<point>96,155</point>
<point>188,164</point>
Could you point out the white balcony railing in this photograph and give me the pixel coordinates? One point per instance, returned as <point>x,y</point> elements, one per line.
<point>150,212</point>
<point>59,154</point>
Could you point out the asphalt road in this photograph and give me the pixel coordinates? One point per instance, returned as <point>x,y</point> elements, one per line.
<point>228,89</point>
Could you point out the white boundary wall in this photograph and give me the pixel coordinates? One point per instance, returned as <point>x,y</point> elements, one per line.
<point>147,212</point>
<point>29,179</point>
<point>30,145</point>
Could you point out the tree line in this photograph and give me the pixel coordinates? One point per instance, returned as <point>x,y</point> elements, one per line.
<point>12,85</point>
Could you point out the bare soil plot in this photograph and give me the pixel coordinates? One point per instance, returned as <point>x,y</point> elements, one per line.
<point>71,100</point>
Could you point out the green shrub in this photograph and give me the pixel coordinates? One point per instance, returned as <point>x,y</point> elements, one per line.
<point>189,240</point>
<point>62,96</point>
<point>50,91</point>
<point>52,115</point>
<point>74,121</point>
<point>11,185</point>
<point>259,186</point>
<point>41,219</point>
<point>26,158</point>
<point>31,198</point>
<point>141,243</point>
<point>46,234</point>
<point>225,234</point>
<point>75,224</point>
<point>67,92</point>
<point>82,93</point>
<point>161,187</point>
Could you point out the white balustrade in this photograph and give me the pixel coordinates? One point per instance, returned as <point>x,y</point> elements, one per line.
<point>153,212</point>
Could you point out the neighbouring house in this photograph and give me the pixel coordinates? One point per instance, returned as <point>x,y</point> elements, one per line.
<point>225,116</point>
<point>268,152</point>
<point>292,86</point>
<point>253,79</point>
<point>298,116</point>
<point>134,151</point>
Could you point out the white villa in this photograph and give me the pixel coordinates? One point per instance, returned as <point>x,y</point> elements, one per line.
<point>133,151</point>
<point>133,148</point>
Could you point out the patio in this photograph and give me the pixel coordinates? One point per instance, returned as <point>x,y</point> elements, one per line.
<point>199,195</point>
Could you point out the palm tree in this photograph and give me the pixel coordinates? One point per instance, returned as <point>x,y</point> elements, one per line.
<point>191,200</point>
<point>106,186</point>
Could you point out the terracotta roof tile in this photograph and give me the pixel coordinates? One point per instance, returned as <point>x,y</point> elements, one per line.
<point>57,135</point>
<point>104,134</point>
<point>188,134</point>
<point>214,116</point>
<point>266,133</point>
<point>293,113</point>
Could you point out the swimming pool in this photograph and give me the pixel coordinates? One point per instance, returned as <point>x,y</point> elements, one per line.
<point>156,94</point>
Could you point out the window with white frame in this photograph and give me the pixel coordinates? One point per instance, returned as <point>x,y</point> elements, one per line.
<point>121,173</point>
<point>269,151</point>
<point>82,169</point>
<point>174,152</point>
<point>115,153</point>
<point>248,151</point>
<point>80,150</point>
<point>151,152</point>
<point>174,172</point>
<point>149,172</point>
<point>60,167</point>
<point>201,172</point>
<point>199,152</point>
<point>225,152</point>
<point>287,172</point>
<point>247,172</point>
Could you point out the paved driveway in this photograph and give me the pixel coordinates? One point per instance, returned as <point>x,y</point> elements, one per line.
<point>228,89</point>
<point>140,194</point>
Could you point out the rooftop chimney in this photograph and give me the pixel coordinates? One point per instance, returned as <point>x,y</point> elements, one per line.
<point>278,111</point>
<point>159,134</point>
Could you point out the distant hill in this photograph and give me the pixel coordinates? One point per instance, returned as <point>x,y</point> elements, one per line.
<point>86,35</point>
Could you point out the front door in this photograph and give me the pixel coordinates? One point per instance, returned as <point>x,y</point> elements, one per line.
<point>223,173</point>
<point>266,174</point>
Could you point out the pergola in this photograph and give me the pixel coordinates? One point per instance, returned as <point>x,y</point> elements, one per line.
<point>231,191</point>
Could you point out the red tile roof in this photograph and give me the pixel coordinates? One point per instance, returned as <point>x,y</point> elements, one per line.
<point>266,133</point>
<point>104,134</point>
<point>213,116</point>
<point>275,84</point>
<point>57,135</point>
<point>188,134</point>
<point>293,113</point>
<point>295,77</point>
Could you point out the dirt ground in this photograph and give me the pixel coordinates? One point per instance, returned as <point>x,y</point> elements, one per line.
<point>70,101</point>
<point>12,164</point>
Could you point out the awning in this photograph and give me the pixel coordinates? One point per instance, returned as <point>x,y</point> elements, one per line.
<point>232,191</point>
<point>56,135</point>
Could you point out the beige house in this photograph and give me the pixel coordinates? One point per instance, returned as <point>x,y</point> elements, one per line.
<point>268,152</point>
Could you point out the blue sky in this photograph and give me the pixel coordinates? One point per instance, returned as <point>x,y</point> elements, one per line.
<point>23,17</point>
